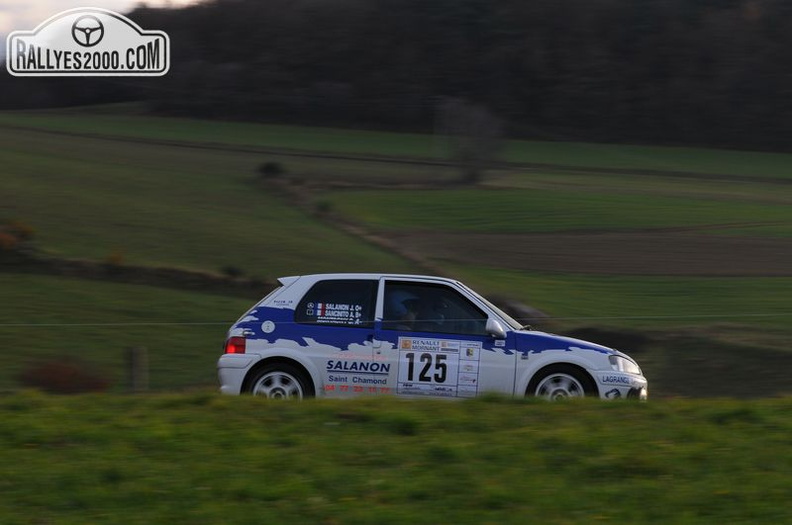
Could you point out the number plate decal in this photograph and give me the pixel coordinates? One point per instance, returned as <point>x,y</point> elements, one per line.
<point>438,367</point>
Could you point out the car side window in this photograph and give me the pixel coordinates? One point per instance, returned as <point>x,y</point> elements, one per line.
<point>341,302</point>
<point>425,307</point>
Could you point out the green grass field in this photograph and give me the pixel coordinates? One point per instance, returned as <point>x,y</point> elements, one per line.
<point>695,160</point>
<point>194,456</point>
<point>550,210</point>
<point>204,459</point>
<point>722,201</point>
<point>46,318</point>
<point>50,318</point>
<point>645,302</point>
<point>160,205</point>
<point>201,208</point>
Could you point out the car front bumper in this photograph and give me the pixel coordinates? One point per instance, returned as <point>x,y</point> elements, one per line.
<point>620,385</point>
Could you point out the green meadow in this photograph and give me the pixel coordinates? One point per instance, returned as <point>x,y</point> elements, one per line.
<point>203,458</point>
<point>164,205</point>
<point>103,121</point>
<point>129,189</point>
<point>180,193</point>
<point>646,302</point>
<point>554,210</point>
<point>47,318</point>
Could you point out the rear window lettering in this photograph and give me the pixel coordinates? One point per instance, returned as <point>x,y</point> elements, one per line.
<point>347,302</point>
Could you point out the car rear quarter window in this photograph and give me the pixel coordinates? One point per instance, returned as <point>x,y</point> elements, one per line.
<point>339,302</point>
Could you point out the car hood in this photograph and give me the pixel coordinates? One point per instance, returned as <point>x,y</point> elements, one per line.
<point>536,342</point>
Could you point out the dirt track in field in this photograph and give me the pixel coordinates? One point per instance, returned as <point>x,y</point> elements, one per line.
<point>659,252</point>
<point>404,160</point>
<point>615,253</point>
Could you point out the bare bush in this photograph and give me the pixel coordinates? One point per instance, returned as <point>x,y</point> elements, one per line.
<point>59,376</point>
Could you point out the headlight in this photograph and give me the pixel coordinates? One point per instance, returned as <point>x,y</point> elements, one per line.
<point>622,364</point>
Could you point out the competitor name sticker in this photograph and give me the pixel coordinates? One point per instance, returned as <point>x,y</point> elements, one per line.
<point>438,367</point>
<point>335,313</point>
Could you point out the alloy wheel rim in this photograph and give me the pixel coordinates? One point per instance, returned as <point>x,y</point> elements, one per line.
<point>560,386</point>
<point>278,385</point>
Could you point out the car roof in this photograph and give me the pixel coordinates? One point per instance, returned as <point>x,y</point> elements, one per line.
<point>375,276</point>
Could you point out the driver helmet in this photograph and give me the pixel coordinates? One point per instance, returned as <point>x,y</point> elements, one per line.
<point>401,302</point>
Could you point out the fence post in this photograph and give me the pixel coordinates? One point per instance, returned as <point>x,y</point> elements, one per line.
<point>137,368</point>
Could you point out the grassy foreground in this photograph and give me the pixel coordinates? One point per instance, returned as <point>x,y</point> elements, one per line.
<point>203,458</point>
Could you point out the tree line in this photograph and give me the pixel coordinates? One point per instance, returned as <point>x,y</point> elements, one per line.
<point>704,72</point>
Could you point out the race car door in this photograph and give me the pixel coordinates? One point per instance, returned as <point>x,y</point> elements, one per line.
<point>336,318</point>
<point>436,339</point>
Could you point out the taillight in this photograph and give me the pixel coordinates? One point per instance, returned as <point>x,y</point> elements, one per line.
<point>235,345</point>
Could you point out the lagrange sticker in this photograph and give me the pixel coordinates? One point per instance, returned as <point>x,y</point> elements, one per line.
<point>616,380</point>
<point>438,367</point>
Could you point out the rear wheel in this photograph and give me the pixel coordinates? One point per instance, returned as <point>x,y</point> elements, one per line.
<point>280,381</point>
<point>557,382</point>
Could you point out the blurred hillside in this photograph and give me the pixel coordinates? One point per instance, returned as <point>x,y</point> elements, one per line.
<point>704,72</point>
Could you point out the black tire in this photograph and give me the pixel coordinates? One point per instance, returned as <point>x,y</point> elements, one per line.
<point>280,381</point>
<point>556,382</point>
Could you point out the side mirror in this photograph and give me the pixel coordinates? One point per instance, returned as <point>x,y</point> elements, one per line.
<point>495,329</point>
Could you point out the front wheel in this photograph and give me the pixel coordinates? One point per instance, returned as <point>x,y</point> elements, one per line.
<point>557,382</point>
<point>280,381</point>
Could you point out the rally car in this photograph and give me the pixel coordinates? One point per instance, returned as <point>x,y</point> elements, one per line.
<point>342,335</point>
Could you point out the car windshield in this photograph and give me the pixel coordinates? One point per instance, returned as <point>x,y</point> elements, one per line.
<point>509,320</point>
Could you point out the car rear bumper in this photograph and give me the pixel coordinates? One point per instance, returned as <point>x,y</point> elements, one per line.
<point>232,370</point>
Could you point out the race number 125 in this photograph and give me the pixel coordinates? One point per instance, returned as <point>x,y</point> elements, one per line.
<point>426,367</point>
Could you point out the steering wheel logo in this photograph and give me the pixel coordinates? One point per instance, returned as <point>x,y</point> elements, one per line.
<point>87,31</point>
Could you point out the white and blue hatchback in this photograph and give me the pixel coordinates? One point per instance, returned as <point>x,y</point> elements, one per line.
<point>342,335</point>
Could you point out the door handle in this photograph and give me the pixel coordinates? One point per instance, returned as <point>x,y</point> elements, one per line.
<point>375,343</point>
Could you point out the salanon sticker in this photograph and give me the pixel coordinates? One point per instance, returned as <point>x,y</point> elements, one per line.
<point>88,41</point>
